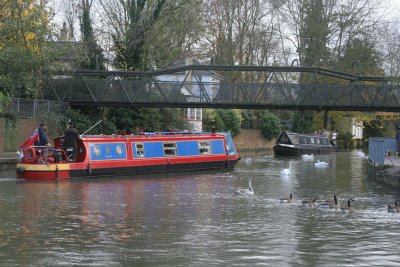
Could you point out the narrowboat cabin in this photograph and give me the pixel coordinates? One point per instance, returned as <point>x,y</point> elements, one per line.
<point>112,155</point>
<point>294,144</point>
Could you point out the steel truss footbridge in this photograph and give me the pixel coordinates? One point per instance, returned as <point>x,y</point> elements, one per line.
<point>220,86</point>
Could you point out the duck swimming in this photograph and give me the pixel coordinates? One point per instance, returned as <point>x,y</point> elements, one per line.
<point>332,203</point>
<point>246,191</point>
<point>287,199</point>
<point>309,202</point>
<point>348,208</point>
<point>394,208</point>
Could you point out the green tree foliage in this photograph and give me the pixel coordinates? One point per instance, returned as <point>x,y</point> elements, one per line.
<point>379,127</point>
<point>130,47</point>
<point>4,102</point>
<point>303,121</point>
<point>10,130</point>
<point>314,34</point>
<point>24,47</point>
<point>361,57</point>
<point>271,125</point>
<point>222,120</point>
<point>147,119</point>
<point>92,54</point>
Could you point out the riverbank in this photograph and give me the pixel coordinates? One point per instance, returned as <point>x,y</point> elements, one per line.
<point>252,141</point>
<point>8,160</point>
<point>388,174</point>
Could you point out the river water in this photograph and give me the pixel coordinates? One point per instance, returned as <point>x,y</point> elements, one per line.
<point>197,220</point>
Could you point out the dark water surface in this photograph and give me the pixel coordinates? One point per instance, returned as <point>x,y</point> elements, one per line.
<point>197,220</point>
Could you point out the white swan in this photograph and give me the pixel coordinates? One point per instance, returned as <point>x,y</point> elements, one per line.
<point>248,161</point>
<point>287,171</point>
<point>305,156</point>
<point>246,191</point>
<point>361,154</point>
<point>321,164</point>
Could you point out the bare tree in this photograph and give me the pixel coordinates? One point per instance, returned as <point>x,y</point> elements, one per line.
<point>240,31</point>
<point>150,33</point>
<point>329,24</point>
<point>389,45</point>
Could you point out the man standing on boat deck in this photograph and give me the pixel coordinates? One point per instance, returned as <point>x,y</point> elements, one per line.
<point>333,136</point>
<point>398,140</point>
<point>42,136</point>
<point>71,136</point>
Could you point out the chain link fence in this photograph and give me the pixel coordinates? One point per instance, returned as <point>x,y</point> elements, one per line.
<point>30,108</point>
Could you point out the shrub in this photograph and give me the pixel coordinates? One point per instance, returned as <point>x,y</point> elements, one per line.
<point>270,125</point>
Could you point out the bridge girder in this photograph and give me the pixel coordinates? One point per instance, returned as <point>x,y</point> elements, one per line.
<point>218,86</point>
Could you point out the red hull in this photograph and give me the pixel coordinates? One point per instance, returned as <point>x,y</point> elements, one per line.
<point>120,155</point>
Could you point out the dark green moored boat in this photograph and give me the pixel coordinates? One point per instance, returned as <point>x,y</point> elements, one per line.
<point>294,144</point>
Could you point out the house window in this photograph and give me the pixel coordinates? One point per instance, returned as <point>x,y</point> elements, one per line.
<point>139,150</point>
<point>194,114</point>
<point>169,149</point>
<point>204,147</point>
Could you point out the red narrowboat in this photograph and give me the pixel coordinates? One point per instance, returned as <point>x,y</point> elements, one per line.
<point>112,155</point>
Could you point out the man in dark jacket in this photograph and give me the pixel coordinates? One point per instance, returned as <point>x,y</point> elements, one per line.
<point>42,136</point>
<point>71,136</point>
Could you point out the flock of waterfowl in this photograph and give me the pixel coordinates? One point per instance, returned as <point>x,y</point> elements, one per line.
<point>331,203</point>
<point>317,164</point>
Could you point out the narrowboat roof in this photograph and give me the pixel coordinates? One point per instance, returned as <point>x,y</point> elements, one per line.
<point>155,135</point>
<point>295,137</point>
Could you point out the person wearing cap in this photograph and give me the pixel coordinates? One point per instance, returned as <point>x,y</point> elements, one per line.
<point>71,136</point>
<point>398,140</point>
<point>42,136</point>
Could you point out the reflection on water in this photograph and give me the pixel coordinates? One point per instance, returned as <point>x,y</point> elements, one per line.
<point>196,219</point>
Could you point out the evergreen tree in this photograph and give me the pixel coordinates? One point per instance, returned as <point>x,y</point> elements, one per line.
<point>314,34</point>
<point>130,50</point>
<point>92,53</point>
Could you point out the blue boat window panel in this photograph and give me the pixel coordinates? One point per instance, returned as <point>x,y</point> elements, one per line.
<point>188,148</point>
<point>150,150</point>
<point>139,150</point>
<point>204,147</point>
<point>107,151</point>
<point>169,149</point>
<point>217,147</point>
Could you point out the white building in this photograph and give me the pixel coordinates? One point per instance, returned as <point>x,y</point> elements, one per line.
<point>197,86</point>
<point>357,129</point>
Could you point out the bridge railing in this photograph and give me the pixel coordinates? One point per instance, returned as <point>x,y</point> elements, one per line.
<point>379,147</point>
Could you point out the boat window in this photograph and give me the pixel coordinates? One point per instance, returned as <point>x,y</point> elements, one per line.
<point>312,140</point>
<point>302,140</point>
<point>318,142</point>
<point>205,147</point>
<point>169,149</point>
<point>324,141</point>
<point>139,150</point>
